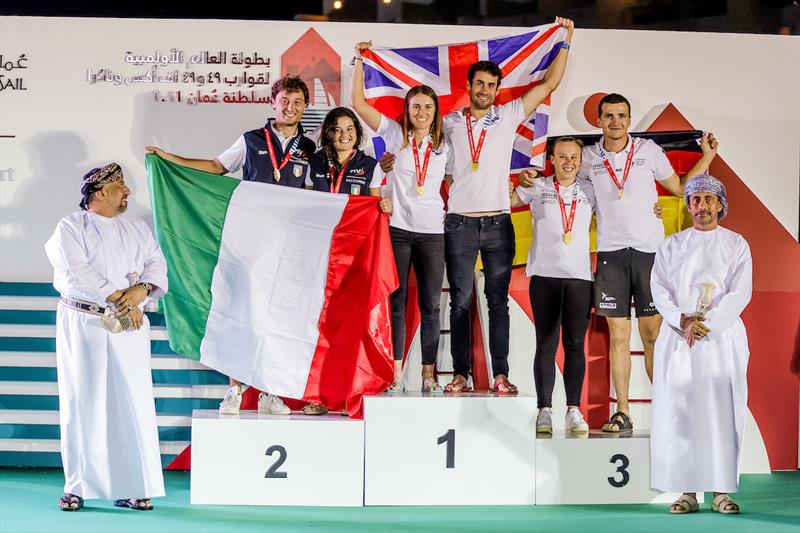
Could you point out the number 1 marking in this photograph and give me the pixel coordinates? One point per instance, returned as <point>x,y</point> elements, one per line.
<point>450,439</point>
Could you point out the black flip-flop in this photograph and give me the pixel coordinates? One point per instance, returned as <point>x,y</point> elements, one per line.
<point>621,421</point>
<point>135,504</point>
<point>70,502</point>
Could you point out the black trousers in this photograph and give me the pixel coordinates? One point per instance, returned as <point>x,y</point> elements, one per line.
<point>425,252</point>
<point>559,304</point>
<point>493,236</point>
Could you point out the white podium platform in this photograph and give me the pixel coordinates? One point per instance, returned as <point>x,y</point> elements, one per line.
<point>595,468</point>
<point>415,449</point>
<point>253,459</point>
<point>465,449</point>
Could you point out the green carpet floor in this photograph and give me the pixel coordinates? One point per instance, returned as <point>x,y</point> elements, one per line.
<point>771,503</point>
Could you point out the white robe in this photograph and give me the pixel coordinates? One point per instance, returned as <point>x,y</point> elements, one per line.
<point>699,399</point>
<point>109,434</point>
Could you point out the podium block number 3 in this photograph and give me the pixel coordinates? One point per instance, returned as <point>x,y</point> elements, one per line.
<point>624,463</point>
<point>450,438</point>
<point>273,470</point>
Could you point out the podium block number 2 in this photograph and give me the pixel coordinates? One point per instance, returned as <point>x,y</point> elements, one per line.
<point>273,472</point>
<point>450,438</point>
<point>622,467</point>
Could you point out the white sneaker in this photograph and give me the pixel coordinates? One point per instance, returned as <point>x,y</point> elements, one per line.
<point>574,422</point>
<point>544,423</point>
<point>230,404</point>
<point>269,404</point>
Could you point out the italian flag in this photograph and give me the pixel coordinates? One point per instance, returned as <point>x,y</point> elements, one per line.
<point>283,289</point>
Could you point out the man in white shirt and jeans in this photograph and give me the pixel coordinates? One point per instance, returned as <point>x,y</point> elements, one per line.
<point>624,172</point>
<point>481,138</point>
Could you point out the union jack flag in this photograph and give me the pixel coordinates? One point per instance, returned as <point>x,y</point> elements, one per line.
<point>523,59</point>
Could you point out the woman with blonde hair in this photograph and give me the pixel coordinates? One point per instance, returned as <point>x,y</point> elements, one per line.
<point>417,212</point>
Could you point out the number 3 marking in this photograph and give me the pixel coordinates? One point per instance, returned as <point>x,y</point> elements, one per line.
<point>273,470</point>
<point>621,468</point>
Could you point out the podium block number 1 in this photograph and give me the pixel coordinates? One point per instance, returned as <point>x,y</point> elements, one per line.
<point>624,463</point>
<point>273,472</point>
<point>450,438</point>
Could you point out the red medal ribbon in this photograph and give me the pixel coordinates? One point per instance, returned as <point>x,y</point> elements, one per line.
<point>475,153</point>
<point>613,174</point>
<point>423,172</point>
<point>272,153</point>
<point>564,220</point>
<point>336,181</point>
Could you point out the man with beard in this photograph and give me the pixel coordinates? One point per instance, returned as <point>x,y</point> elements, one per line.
<point>702,280</point>
<point>481,138</point>
<point>279,154</point>
<point>106,265</point>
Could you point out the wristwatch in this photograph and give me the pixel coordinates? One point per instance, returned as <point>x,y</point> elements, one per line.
<point>147,287</point>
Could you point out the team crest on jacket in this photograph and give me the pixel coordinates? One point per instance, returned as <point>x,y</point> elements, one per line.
<point>297,170</point>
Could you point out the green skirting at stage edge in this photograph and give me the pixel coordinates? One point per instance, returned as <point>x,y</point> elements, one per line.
<point>770,503</point>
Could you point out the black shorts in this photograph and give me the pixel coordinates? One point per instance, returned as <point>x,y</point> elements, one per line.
<point>623,274</point>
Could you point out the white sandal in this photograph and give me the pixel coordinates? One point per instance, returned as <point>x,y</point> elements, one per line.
<point>723,504</point>
<point>685,504</point>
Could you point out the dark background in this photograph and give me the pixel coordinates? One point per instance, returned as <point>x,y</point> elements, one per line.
<point>742,16</point>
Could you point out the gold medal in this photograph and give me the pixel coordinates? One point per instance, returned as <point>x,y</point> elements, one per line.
<point>474,166</point>
<point>567,237</point>
<point>420,190</point>
<point>621,192</point>
<point>277,174</point>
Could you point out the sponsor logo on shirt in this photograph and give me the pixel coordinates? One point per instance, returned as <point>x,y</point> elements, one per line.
<point>263,152</point>
<point>357,172</point>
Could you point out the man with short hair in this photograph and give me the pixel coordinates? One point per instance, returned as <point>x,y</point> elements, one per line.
<point>702,281</point>
<point>278,154</point>
<point>481,138</point>
<point>624,172</point>
<point>106,266</point>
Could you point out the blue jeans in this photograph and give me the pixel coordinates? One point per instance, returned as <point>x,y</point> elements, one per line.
<point>493,236</point>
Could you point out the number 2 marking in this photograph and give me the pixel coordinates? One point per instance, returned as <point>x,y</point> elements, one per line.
<point>273,470</point>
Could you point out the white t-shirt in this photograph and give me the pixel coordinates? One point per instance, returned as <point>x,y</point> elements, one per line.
<point>487,188</point>
<point>549,255</point>
<point>410,211</point>
<point>627,222</point>
<point>233,158</point>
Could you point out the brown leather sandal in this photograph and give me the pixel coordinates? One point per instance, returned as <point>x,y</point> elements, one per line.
<point>459,384</point>
<point>503,386</point>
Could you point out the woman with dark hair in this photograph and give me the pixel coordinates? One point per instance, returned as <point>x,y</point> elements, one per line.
<point>340,166</point>
<point>416,222</point>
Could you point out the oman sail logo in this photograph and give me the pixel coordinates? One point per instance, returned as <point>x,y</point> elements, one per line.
<point>317,64</point>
